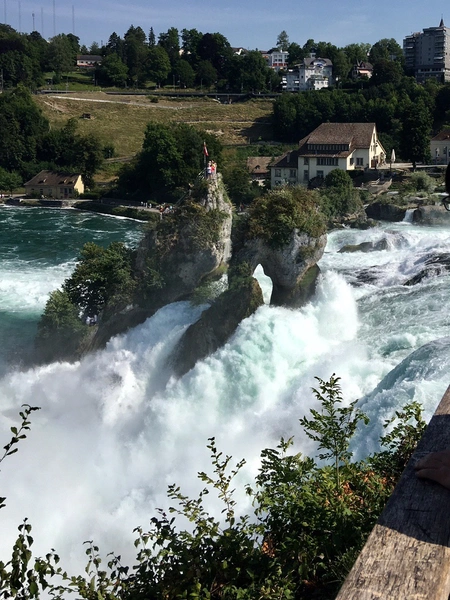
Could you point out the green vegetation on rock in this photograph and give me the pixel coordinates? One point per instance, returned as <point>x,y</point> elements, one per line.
<point>60,329</point>
<point>201,227</point>
<point>103,277</point>
<point>102,280</point>
<point>171,158</point>
<point>339,197</point>
<point>274,216</point>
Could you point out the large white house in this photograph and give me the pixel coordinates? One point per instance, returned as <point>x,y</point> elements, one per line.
<point>346,146</point>
<point>276,59</point>
<point>311,74</point>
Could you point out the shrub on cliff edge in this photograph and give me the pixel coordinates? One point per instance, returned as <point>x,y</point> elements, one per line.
<point>275,215</point>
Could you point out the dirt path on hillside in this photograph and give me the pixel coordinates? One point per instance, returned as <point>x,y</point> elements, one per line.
<point>128,102</point>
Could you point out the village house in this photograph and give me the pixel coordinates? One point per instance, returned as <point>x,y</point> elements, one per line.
<point>88,61</point>
<point>276,59</point>
<point>258,168</point>
<point>57,185</point>
<point>440,147</point>
<point>362,69</point>
<point>346,146</point>
<point>311,74</point>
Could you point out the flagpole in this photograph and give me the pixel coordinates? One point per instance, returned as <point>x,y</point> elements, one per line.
<point>205,154</point>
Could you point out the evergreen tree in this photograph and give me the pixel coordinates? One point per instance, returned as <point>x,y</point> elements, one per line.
<point>136,54</point>
<point>170,41</point>
<point>115,45</point>
<point>151,38</point>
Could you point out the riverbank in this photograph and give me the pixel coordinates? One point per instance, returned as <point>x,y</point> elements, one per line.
<point>140,213</point>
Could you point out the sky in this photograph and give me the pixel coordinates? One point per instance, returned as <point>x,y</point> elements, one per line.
<point>252,24</point>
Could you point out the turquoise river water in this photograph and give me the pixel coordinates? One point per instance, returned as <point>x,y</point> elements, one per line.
<point>116,428</point>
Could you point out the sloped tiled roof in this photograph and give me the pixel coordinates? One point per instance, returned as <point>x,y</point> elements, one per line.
<point>441,136</point>
<point>52,178</point>
<point>310,60</point>
<point>353,135</point>
<point>288,159</point>
<point>258,164</point>
<point>361,64</point>
<point>90,57</point>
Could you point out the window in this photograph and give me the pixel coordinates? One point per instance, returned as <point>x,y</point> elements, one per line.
<point>359,162</point>
<point>320,174</point>
<point>331,162</point>
<point>293,173</point>
<point>352,161</point>
<point>277,172</point>
<point>305,175</point>
<point>306,161</point>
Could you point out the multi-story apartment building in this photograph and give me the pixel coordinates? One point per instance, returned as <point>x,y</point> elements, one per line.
<point>311,74</point>
<point>427,54</point>
<point>276,59</point>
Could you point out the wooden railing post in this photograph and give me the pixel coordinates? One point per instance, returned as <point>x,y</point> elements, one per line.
<point>407,555</point>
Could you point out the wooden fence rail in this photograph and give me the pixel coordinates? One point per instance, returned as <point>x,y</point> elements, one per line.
<point>407,555</point>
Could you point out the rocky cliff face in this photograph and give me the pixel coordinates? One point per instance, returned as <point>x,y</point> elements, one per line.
<point>432,215</point>
<point>190,244</point>
<point>217,324</point>
<point>292,268</point>
<point>195,241</point>
<point>173,258</point>
<point>385,212</point>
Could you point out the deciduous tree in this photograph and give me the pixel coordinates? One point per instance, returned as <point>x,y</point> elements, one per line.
<point>112,71</point>
<point>60,57</point>
<point>416,128</point>
<point>157,65</point>
<point>283,40</point>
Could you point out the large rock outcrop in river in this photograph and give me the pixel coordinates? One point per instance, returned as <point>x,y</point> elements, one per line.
<point>433,214</point>
<point>173,258</point>
<point>292,268</point>
<point>217,323</point>
<point>284,232</point>
<point>383,211</point>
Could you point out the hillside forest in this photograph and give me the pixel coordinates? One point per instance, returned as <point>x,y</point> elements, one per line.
<point>406,114</point>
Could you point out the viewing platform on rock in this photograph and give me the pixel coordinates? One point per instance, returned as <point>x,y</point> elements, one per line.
<point>407,555</point>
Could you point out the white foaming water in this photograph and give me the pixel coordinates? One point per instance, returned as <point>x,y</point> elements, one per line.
<point>26,287</point>
<point>115,429</point>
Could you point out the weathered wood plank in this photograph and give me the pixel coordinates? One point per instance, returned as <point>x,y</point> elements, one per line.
<point>407,555</point>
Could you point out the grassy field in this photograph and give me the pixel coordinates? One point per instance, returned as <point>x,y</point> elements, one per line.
<point>121,120</point>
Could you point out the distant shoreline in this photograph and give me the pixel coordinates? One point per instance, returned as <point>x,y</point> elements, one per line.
<point>114,210</point>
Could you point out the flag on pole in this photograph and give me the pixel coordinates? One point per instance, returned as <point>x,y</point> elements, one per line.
<point>205,149</point>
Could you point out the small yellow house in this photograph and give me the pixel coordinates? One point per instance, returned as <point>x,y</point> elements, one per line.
<point>52,184</point>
